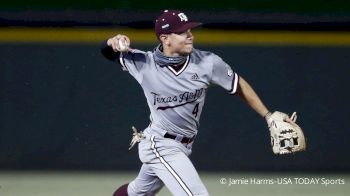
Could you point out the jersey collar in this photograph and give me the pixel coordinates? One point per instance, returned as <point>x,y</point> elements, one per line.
<point>184,66</point>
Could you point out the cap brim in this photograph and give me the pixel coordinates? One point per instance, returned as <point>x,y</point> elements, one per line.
<point>187,26</point>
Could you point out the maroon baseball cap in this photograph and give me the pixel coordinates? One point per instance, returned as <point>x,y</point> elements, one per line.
<point>173,21</point>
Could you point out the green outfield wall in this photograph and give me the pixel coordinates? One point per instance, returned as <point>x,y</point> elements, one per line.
<point>64,107</point>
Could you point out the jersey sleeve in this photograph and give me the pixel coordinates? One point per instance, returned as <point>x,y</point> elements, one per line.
<point>224,76</point>
<point>133,61</point>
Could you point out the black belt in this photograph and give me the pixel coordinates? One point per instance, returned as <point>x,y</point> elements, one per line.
<point>184,140</point>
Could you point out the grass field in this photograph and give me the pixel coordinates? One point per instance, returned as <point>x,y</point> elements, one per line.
<point>219,184</point>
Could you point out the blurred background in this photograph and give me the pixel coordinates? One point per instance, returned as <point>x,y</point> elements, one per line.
<point>66,112</point>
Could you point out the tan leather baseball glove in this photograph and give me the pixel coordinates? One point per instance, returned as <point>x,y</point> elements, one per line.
<point>286,136</point>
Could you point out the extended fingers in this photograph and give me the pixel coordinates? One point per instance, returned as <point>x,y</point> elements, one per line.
<point>294,117</point>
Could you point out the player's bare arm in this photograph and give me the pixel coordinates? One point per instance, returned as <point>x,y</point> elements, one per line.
<point>247,93</point>
<point>286,136</point>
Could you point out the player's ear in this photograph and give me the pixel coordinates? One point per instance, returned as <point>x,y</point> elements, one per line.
<point>164,38</point>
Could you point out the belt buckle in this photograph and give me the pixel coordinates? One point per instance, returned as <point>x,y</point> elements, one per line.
<point>179,138</point>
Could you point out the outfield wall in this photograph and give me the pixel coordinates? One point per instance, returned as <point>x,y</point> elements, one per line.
<point>63,106</point>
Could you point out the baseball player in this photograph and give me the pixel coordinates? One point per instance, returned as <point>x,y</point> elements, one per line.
<point>174,77</point>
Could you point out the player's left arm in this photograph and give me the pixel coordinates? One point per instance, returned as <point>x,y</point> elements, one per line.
<point>286,136</point>
<point>248,95</point>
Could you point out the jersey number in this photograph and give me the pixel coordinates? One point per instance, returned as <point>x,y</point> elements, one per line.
<point>195,110</point>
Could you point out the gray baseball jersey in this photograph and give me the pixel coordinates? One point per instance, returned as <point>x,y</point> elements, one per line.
<point>176,97</point>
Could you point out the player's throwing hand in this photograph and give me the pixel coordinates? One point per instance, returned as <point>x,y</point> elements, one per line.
<point>119,43</point>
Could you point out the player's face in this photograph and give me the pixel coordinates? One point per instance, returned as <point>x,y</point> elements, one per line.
<point>180,43</point>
